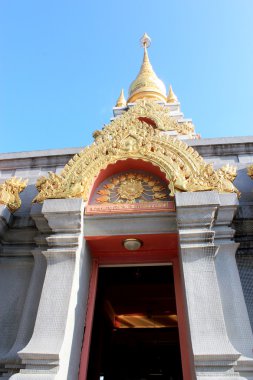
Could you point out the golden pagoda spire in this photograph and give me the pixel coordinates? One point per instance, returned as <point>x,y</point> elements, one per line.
<point>121,102</point>
<point>147,84</point>
<point>171,98</point>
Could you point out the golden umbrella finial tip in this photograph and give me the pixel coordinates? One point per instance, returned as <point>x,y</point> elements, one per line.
<point>145,40</point>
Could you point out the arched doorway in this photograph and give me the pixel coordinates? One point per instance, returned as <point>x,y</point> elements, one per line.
<point>114,332</point>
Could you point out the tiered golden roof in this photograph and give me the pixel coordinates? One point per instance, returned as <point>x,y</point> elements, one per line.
<point>147,84</point>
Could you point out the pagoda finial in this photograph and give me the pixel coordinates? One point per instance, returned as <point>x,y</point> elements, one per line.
<point>145,40</point>
<point>171,98</point>
<point>147,84</point>
<point>121,102</point>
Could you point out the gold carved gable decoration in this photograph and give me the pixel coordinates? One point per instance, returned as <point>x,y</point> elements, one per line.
<point>137,135</point>
<point>159,114</point>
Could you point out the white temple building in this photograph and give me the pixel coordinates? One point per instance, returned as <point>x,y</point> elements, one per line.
<point>132,258</point>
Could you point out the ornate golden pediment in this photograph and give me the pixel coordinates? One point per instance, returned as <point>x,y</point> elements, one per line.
<point>159,114</point>
<point>9,192</point>
<point>134,136</point>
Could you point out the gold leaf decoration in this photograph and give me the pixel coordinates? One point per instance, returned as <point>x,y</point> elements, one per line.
<point>132,187</point>
<point>159,195</point>
<point>209,179</point>
<point>55,186</point>
<point>250,171</point>
<point>134,136</point>
<point>9,192</point>
<point>159,114</point>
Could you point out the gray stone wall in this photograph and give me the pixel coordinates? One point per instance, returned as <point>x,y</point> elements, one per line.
<point>245,266</point>
<point>15,275</point>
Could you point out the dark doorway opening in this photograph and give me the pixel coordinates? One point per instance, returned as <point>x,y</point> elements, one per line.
<point>135,331</point>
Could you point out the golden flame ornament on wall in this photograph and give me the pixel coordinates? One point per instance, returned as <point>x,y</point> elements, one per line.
<point>132,187</point>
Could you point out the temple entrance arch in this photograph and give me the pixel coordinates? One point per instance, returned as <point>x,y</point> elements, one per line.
<point>111,261</point>
<point>121,195</point>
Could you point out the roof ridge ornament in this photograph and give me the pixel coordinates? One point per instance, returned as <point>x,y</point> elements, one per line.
<point>9,192</point>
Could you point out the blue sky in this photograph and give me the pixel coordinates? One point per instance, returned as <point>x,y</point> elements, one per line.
<point>63,64</point>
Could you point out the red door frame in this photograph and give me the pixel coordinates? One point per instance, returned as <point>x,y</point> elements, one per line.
<point>183,326</point>
<point>89,320</point>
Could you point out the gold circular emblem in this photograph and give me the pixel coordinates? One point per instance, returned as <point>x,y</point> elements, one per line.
<point>130,189</point>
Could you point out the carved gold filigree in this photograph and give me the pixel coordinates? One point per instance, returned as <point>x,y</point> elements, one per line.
<point>250,171</point>
<point>9,192</point>
<point>133,135</point>
<point>55,186</point>
<point>132,188</point>
<point>209,179</point>
<point>159,114</point>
